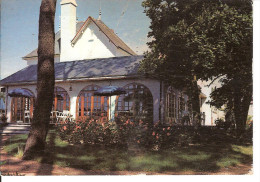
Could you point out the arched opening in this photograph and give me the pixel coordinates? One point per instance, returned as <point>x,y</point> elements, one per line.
<point>90,106</point>
<point>61,105</point>
<point>136,104</point>
<point>61,101</point>
<point>22,108</point>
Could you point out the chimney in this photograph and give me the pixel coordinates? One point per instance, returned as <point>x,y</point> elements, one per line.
<point>68,28</point>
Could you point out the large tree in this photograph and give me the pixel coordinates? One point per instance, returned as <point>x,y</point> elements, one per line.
<point>204,38</point>
<point>45,81</point>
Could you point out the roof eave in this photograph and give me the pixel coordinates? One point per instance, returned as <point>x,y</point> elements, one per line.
<point>133,53</point>
<point>33,57</point>
<point>74,40</point>
<point>77,79</point>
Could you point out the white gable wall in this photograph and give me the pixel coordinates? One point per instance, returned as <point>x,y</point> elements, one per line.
<point>93,43</point>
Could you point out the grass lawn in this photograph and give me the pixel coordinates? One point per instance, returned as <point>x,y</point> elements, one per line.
<point>209,158</point>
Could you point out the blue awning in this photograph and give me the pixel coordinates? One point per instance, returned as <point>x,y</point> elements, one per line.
<point>109,91</point>
<point>20,93</point>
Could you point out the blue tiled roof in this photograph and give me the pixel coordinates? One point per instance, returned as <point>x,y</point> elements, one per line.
<point>92,68</point>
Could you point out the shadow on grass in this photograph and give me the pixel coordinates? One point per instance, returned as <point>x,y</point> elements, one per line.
<point>202,158</point>
<point>47,157</point>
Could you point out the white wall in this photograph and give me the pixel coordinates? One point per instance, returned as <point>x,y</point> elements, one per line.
<point>93,43</point>
<point>211,114</point>
<point>250,110</point>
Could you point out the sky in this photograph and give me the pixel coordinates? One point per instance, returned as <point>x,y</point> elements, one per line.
<point>19,26</point>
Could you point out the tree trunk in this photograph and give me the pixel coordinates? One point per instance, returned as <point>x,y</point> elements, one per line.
<point>35,143</point>
<point>241,107</point>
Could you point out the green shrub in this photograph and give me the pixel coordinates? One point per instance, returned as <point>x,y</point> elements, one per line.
<point>3,118</point>
<point>123,131</point>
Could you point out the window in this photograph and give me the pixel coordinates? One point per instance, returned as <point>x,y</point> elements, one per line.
<point>61,100</point>
<point>170,105</point>
<point>180,105</point>
<point>91,106</point>
<point>136,103</point>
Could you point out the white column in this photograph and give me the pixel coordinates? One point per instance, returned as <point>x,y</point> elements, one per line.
<point>8,114</point>
<point>112,107</point>
<point>73,102</point>
<point>73,99</point>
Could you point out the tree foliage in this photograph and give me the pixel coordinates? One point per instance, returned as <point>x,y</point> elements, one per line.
<point>204,38</point>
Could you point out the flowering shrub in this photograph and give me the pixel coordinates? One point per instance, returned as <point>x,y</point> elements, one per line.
<point>123,131</point>
<point>89,132</point>
<point>67,132</point>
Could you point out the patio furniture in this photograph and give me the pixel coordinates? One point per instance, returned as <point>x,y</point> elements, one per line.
<point>63,116</point>
<point>27,116</point>
<point>53,116</point>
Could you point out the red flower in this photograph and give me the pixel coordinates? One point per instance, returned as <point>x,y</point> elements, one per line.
<point>168,128</point>
<point>153,133</point>
<point>64,127</point>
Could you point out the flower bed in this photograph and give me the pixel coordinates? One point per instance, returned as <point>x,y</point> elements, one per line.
<point>146,135</point>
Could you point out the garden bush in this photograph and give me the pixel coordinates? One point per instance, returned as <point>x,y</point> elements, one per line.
<point>146,135</point>
<point>3,118</point>
<point>92,132</point>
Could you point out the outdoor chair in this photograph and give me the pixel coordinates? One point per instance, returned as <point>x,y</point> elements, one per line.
<point>62,116</point>
<point>54,117</point>
<point>27,116</point>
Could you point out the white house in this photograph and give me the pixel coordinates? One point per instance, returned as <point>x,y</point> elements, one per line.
<point>88,56</point>
<point>210,113</point>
